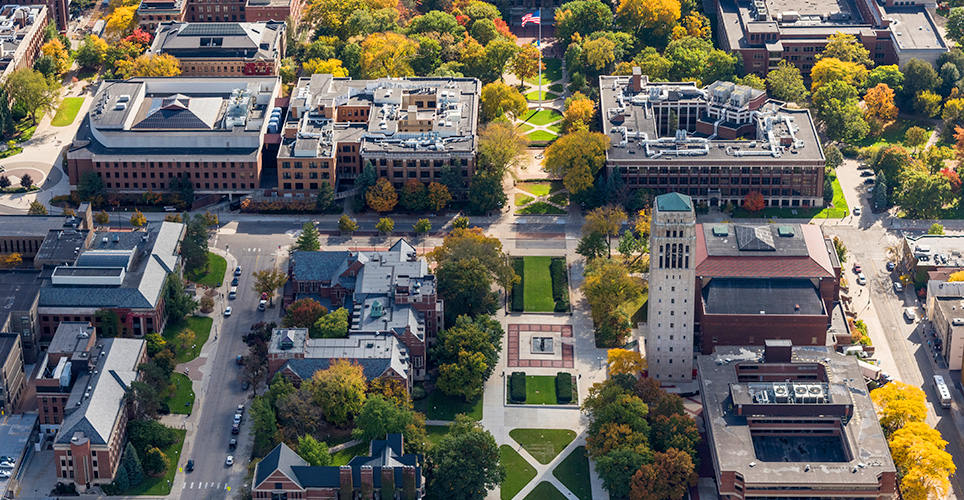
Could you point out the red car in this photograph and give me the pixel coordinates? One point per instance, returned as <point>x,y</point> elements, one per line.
<point>856,267</point>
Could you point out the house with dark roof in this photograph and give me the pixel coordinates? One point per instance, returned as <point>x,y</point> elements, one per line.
<point>386,292</point>
<point>387,472</point>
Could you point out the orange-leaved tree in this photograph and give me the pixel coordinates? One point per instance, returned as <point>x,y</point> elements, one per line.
<point>754,202</point>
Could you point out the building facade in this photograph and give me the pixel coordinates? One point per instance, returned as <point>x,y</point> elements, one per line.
<point>716,144</point>
<point>408,129</point>
<point>13,379</point>
<point>142,133</point>
<point>22,29</point>
<point>945,310</point>
<point>152,13</point>
<point>223,49</point>
<point>669,341</point>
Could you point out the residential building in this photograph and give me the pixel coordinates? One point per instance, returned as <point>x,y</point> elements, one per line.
<point>928,253</point>
<point>89,444</point>
<point>116,283</point>
<point>669,344</point>
<point>386,292</point>
<point>20,293</point>
<point>141,133</point>
<point>152,13</point>
<point>716,143</point>
<point>223,49</point>
<point>283,474</point>
<point>13,379</point>
<point>409,129</point>
<point>945,310</point>
<point>784,420</point>
<point>766,32</point>
<point>381,355</point>
<point>22,32</point>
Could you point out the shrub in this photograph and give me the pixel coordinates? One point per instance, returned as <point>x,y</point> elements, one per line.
<point>557,270</point>
<point>562,305</point>
<point>418,393</point>
<point>563,388</point>
<point>518,293</point>
<point>517,387</point>
<point>850,151</point>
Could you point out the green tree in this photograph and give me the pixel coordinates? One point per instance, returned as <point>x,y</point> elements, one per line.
<point>832,156</point>
<point>582,17</point>
<point>893,161</point>
<point>592,245</point>
<point>313,451</point>
<point>837,104</point>
<point>889,75</point>
<point>880,191</point>
<point>846,48</point>
<point>308,240</point>
<point>923,194</point>
<point>616,469</point>
<point>486,193</point>
<point>132,465</point>
<point>194,247</point>
<point>936,228</point>
<point>498,99</point>
<point>607,286</point>
<point>155,462</point>
<point>840,248</point>
<point>367,178</point>
<point>325,200</point>
<point>177,303</point>
<point>502,149</point>
<point>184,189</point>
<point>347,225</point>
<point>467,354</point>
<point>28,88</point>
<point>385,225</point>
<point>413,196</point>
<point>955,24</point>
<point>332,325</point>
<point>91,52</point>
<point>460,222</point>
<point>786,83</point>
<point>91,187</point>
<point>422,226</point>
<point>465,462</point>
<point>37,208</point>
<point>268,280</point>
<point>142,400</point>
<point>380,416</point>
<point>577,157</point>
<point>264,426</point>
<point>607,221</point>
<point>467,264</point>
<point>122,480</point>
<point>918,77</point>
<point>916,137</point>
<point>339,390</point>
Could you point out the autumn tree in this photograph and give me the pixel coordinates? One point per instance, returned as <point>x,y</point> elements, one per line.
<point>897,404</point>
<point>346,224</point>
<point>924,465</point>
<point>154,65</point>
<point>332,66</point>
<point>385,225</point>
<point>754,202</point>
<point>936,228</point>
<point>303,313</point>
<point>381,197</point>
<point>101,218</point>
<point>579,113</point>
<point>608,286</point>
<point>525,63</point>
<point>387,54</point>
<point>669,477</point>
<point>499,99</point>
<point>577,158</point>
<point>55,50</point>
<point>37,208</point>
<point>879,107</point>
<point>339,390</point>
<point>916,137</point>
<point>625,361</point>
<point>502,149</point>
<point>830,69</point>
<point>786,83</point>
<point>138,219</point>
<point>438,196</point>
<point>120,23</point>
<point>649,20</point>
<point>467,264</point>
<point>607,221</point>
<point>413,196</point>
<point>267,280</point>
<point>846,48</point>
<point>958,276</point>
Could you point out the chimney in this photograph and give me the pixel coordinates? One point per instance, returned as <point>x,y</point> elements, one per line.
<point>637,79</point>
<point>388,482</point>
<point>408,482</point>
<point>367,482</point>
<point>345,479</point>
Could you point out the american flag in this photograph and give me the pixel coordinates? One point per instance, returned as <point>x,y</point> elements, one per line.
<point>532,18</point>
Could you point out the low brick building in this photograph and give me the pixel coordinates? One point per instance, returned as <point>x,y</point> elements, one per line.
<point>223,49</point>
<point>13,380</point>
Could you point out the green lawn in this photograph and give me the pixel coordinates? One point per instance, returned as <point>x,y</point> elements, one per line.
<point>555,127</point>
<point>561,199</point>
<point>525,127</point>
<point>216,267</point>
<point>838,211</point>
<point>556,87</point>
<point>178,403</point>
<point>573,473</point>
<point>540,389</point>
<point>160,486</point>
<point>67,111</point>
<point>541,136</point>
<point>540,208</point>
<point>540,188</point>
<point>541,96</point>
<point>543,444</point>
<point>518,472</point>
<point>545,491</point>
<point>538,285</point>
<point>639,309</point>
<point>200,325</point>
<point>551,72</point>
<point>544,117</point>
<point>523,199</point>
<point>344,456</point>
<point>435,432</point>
<point>894,134</point>
<point>438,406</point>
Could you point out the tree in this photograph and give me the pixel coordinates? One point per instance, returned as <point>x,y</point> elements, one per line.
<point>155,65</point>
<point>347,225</point>
<point>502,149</point>
<point>830,69</point>
<point>616,469</point>
<point>143,401</point>
<point>880,108</point>
<point>380,416</point>
<point>332,325</point>
<point>460,222</point>
<point>381,197</point>
<point>916,137</point>
<point>923,194</point>
<point>183,188</point>
<point>330,66</point>
<point>264,426</point>
<point>889,74</point>
<point>936,228</point>
<point>893,161</point>
<point>438,196</point>
<point>367,178</point>
<point>898,404</point>
<point>4,181</point>
<point>194,247</point>
<point>339,390</point>
<point>648,20</point>
<point>422,226</point>
<point>28,88</point>
<point>313,451</point>
<point>579,113</point>
<point>592,245</point>
<point>832,156</point>
<point>122,480</point>
<point>91,187</point>
<point>385,225</point>
<point>840,248</point>
<point>786,83</point>
<point>927,103</point>
<point>267,280</point>
<point>499,99</point>
<point>37,208</point>
<point>625,361</point>
<point>918,77</point>
<point>413,196</point>
<point>486,193</point>
<point>577,158</point>
<point>837,104</point>
<point>958,276</point>
<point>467,353</point>
<point>132,465</point>
<point>525,63</point>
<point>303,313</point>
<point>121,22</point>
<point>465,462</point>
<point>308,240</point>
<point>26,181</point>
<point>186,339</point>
<point>387,54</point>
<point>467,263</point>
<point>607,221</point>
<point>924,465</point>
<point>674,431</point>
<point>955,24</point>
<point>138,219</point>
<point>10,260</point>
<point>846,48</point>
<point>669,477</point>
<point>177,303</point>
<point>325,199</point>
<point>607,286</point>
<point>55,50</point>
<point>155,462</point>
<point>754,202</point>
<point>600,52</point>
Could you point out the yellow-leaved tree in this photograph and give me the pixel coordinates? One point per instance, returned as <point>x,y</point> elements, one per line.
<point>831,69</point>
<point>577,157</point>
<point>578,114</point>
<point>924,465</point>
<point>332,66</point>
<point>958,276</point>
<point>880,108</point>
<point>147,65</point>
<point>898,404</point>
<point>655,18</point>
<point>387,54</point>
<point>55,50</point>
<point>624,361</point>
<point>121,22</point>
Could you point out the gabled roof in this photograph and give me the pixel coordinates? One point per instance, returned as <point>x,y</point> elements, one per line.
<point>283,459</point>
<point>674,202</point>
<point>743,252</point>
<point>306,368</point>
<point>317,266</point>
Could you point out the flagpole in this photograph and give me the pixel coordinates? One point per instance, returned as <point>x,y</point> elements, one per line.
<point>539,46</point>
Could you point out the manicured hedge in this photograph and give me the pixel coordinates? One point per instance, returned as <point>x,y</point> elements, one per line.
<point>517,387</point>
<point>563,388</point>
<point>560,288</point>
<point>518,293</point>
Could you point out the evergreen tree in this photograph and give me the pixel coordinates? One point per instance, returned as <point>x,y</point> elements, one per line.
<point>326,197</point>
<point>308,240</point>
<point>880,191</point>
<point>367,177</point>
<point>121,479</point>
<point>132,464</point>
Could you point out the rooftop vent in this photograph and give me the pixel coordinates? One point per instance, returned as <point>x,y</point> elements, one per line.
<point>785,231</point>
<point>721,230</point>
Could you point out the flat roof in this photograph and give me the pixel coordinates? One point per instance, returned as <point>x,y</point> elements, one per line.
<point>941,249</point>
<point>18,291</point>
<point>733,444</point>
<point>15,432</point>
<point>760,296</point>
<point>71,336</point>
<point>913,28</point>
<point>35,226</point>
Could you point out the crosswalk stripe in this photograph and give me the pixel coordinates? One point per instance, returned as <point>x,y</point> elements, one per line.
<point>192,485</point>
<point>219,485</point>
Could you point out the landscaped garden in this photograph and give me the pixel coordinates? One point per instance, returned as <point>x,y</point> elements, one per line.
<point>541,188</point>
<point>439,406</point>
<point>551,73</point>
<point>518,472</point>
<point>543,444</point>
<point>182,400</point>
<point>344,456</point>
<point>545,491</point>
<point>573,473</point>
<point>67,111</point>
<point>161,486</point>
<point>200,326</point>
<point>535,95</point>
<point>544,286</point>
<point>541,117</point>
<point>212,274</point>
<point>541,389</point>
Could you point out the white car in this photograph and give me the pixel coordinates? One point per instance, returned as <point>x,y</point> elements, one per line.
<point>229,461</point>
<point>227,311</point>
<point>861,279</point>
<point>910,314</point>
<point>237,418</point>
<point>856,210</point>
<point>6,465</point>
<point>4,474</point>
<point>898,288</point>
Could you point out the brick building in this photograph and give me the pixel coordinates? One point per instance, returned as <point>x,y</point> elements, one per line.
<point>89,443</point>
<point>13,380</point>
<point>141,133</point>
<point>70,356</point>
<point>22,29</point>
<point>784,421</point>
<point>223,49</point>
<point>387,472</point>
<point>20,292</point>
<point>152,13</point>
<point>766,32</point>
<point>407,128</point>
<point>273,10</point>
<point>726,141</point>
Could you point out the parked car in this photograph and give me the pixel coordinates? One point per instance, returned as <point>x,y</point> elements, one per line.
<point>869,181</point>
<point>235,429</point>
<point>856,210</point>
<point>245,385</point>
<point>890,266</point>
<point>262,304</point>
<point>227,311</point>
<point>233,293</point>
<point>910,314</point>
<point>190,466</point>
<point>4,473</point>
<point>233,444</point>
<point>867,173</point>
<point>240,409</point>
<point>857,268</point>
<point>237,271</point>
<point>5,458</point>
<point>235,282</point>
<point>229,461</point>
<point>898,288</point>
<point>861,279</point>
<point>237,418</point>
<point>240,359</point>
<point>170,208</point>
<point>6,465</point>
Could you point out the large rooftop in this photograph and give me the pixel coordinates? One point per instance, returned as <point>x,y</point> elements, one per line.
<point>753,296</point>
<point>18,291</point>
<point>255,41</point>
<point>937,249</point>
<point>762,250</point>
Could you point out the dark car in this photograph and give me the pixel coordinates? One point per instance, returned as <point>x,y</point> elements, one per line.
<point>890,266</point>
<point>233,444</point>
<point>867,173</point>
<point>234,282</point>
<point>237,271</point>
<point>240,359</point>
<point>190,466</point>
<point>245,385</point>
<point>235,429</point>
<point>869,181</point>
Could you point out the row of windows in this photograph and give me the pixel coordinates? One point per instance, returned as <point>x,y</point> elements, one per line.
<point>197,185</point>
<point>170,175</point>
<point>176,165</point>
<point>299,175</point>
<point>723,181</point>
